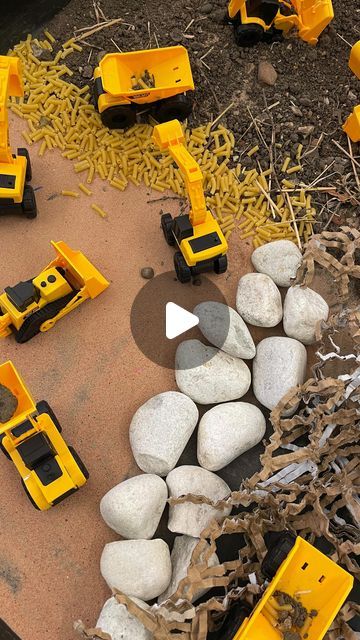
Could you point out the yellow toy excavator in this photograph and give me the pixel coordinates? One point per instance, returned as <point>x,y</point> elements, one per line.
<point>352,124</point>
<point>256,20</point>
<point>15,170</point>
<point>198,235</point>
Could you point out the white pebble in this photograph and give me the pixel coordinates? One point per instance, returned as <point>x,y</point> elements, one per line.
<point>224,328</point>
<point>258,300</point>
<point>115,620</point>
<point>279,259</point>
<point>304,309</point>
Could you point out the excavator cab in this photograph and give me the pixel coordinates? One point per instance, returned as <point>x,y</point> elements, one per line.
<point>16,196</point>
<point>202,245</point>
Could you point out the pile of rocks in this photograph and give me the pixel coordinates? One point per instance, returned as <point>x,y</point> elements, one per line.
<point>140,566</point>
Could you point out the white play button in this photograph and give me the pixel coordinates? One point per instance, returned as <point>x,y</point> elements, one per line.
<point>178,320</point>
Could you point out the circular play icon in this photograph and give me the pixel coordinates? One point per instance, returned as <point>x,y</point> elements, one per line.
<point>162,316</point>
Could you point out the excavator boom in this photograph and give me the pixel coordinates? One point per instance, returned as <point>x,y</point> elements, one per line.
<point>10,85</point>
<point>169,135</point>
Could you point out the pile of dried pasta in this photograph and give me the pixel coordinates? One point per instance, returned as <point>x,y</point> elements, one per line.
<point>60,115</point>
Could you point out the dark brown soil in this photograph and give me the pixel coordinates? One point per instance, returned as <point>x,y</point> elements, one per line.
<point>314,88</point>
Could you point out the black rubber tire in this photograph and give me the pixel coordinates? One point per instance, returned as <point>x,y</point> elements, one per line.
<point>44,407</point>
<point>277,553</point>
<point>24,152</point>
<point>221,264</point>
<point>2,436</point>
<point>79,462</point>
<point>31,326</point>
<point>183,271</point>
<point>232,623</point>
<point>29,496</point>
<point>119,117</point>
<point>248,35</point>
<point>175,108</point>
<point>167,225</point>
<point>28,204</point>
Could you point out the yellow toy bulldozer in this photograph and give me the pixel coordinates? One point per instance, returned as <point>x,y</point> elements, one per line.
<point>16,196</point>
<point>256,20</point>
<point>50,470</point>
<point>352,124</point>
<point>125,82</point>
<point>202,245</point>
<point>35,305</point>
<point>306,592</point>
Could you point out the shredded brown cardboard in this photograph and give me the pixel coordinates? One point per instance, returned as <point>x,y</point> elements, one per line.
<point>309,481</point>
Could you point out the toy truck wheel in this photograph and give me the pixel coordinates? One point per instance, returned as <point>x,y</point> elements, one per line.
<point>43,407</point>
<point>220,264</point>
<point>29,496</point>
<point>120,117</point>
<point>31,325</point>
<point>167,225</point>
<point>3,448</point>
<point>248,35</point>
<point>175,108</point>
<point>28,204</point>
<point>277,553</point>
<point>183,271</point>
<point>79,462</point>
<point>24,152</point>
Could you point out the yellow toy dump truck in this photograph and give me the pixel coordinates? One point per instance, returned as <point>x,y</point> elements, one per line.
<point>16,196</point>
<point>256,20</point>
<point>198,235</point>
<point>50,470</point>
<point>36,305</point>
<point>352,124</point>
<point>306,592</point>
<point>160,77</point>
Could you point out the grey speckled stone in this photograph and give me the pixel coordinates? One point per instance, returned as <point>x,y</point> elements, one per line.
<point>220,378</point>
<point>279,365</point>
<point>258,300</point>
<point>139,568</point>
<point>304,309</point>
<point>190,518</point>
<point>160,430</point>
<point>227,431</point>
<point>224,328</point>
<point>115,620</point>
<point>8,404</point>
<point>279,259</point>
<point>134,507</point>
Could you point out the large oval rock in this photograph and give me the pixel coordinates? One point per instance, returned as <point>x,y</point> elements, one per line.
<point>190,518</point>
<point>139,568</point>
<point>303,310</point>
<point>227,431</point>
<point>134,507</point>
<point>279,365</point>
<point>258,300</point>
<point>180,560</point>
<point>279,259</point>
<point>8,404</point>
<point>160,430</point>
<point>215,377</point>
<point>224,328</point>
<point>115,620</point>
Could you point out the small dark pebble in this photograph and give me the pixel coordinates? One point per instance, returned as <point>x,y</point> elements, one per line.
<point>197,282</point>
<point>87,71</point>
<point>147,273</point>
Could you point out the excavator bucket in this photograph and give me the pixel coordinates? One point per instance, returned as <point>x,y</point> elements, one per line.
<point>354,62</point>
<point>168,133</point>
<point>80,268</point>
<point>13,66</point>
<point>314,16</point>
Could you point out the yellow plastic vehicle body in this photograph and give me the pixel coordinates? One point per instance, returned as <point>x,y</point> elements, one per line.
<point>309,17</point>
<point>80,278</point>
<point>71,478</point>
<point>170,136</point>
<point>310,577</point>
<point>12,169</point>
<point>352,124</point>
<point>170,67</point>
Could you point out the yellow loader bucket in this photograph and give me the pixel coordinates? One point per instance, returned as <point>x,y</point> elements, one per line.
<point>314,16</point>
<point>10,378</point>
<point>354,62</point>
<point>80,267</point>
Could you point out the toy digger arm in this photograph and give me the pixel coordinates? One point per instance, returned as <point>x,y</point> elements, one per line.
<point>169,135</point>
<point>234,7</point>
<point>10,84</point>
